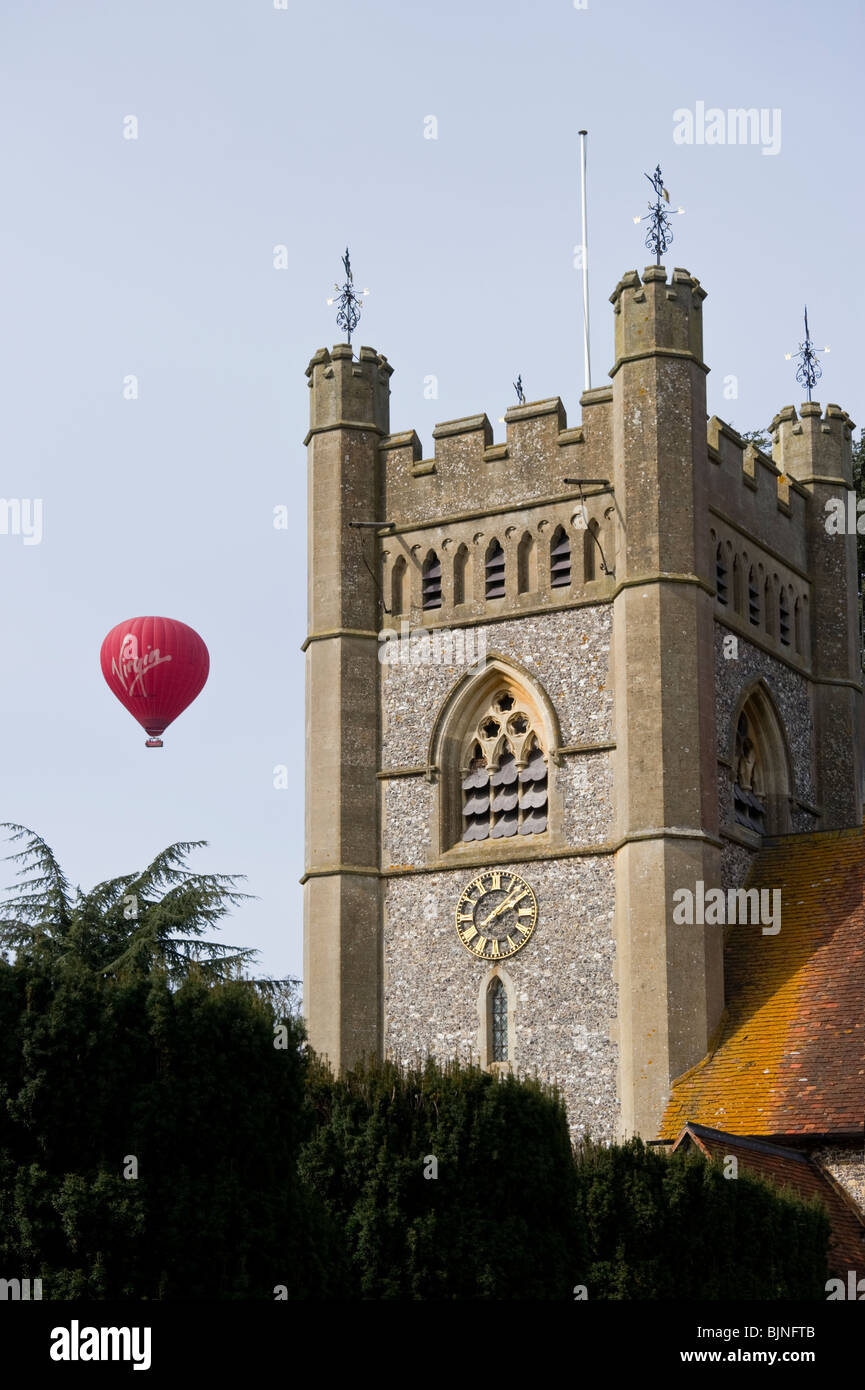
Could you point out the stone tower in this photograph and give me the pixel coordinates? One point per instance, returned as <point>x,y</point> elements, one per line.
<point>349,416</point>
<point>550,682</point>
<point>670,982</point>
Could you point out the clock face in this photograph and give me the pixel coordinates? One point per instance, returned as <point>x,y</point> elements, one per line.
<point>496,914</point>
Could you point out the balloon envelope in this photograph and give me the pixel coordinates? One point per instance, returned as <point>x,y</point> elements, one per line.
<point>155,667</point>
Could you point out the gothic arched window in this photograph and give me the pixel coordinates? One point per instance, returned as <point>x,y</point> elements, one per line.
<point>762,777</point>
<point>783,617</point>
<point>498,1020</point>
<point>495,570</point>
<point>721,575</point>
<point>431,582</point>
<point>753,598</point>
<point>504,774</point>
<point>398,586</point>
<point>560,559</point>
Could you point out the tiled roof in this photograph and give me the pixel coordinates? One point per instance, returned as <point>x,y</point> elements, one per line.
<point>789,1055</point>
<point>788,1168</point>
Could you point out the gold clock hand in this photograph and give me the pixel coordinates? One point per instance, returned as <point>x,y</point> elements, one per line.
<point>495,912</point>
<point>509,901</point>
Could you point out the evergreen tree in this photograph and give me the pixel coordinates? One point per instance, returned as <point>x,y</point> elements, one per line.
<point>448,1181</point>
<point>672,1226</point>
<point>152,1101</point>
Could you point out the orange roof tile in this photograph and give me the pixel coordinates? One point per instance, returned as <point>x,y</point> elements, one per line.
<point>789,1056</point>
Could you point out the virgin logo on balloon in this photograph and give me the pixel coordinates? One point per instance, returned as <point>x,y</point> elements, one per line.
<point>155,667</point>
<point>131,662</point>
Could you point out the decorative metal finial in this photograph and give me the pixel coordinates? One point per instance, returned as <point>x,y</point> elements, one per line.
<point>809,371</point>
<point>660,232</point>
<point>518,387</point>
<point>349,301</point>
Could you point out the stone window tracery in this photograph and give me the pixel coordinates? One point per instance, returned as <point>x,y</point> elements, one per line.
<point>504,774</point>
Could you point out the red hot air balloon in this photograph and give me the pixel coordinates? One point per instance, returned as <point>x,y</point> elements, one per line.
<point>155,667</point>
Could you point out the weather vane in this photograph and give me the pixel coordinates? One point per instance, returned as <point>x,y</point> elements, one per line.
<point>518,387</point>
<point>660,232</point>
<point>349,301</point>
<point>809,371</point>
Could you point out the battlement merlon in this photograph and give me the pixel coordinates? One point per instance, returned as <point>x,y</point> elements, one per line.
<point>535,430</point>
<point>657,318</point>
<point>812,447</point>
<point>348,391</point>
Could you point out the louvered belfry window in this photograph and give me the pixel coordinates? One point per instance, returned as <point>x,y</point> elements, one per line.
<point>431,582</point>
<point>753,599</point>
<point>721,576</point>
<point>784,617</point>
<point>495,571</point>
<point>504,779</point>
<point>560,560</point>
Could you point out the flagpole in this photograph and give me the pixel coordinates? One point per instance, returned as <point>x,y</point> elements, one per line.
<point>587,366</point>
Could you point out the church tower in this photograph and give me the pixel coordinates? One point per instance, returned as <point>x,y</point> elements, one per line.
<point>552,682</point>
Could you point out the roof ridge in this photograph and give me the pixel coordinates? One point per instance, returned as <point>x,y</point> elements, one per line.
<point>745,1141</point>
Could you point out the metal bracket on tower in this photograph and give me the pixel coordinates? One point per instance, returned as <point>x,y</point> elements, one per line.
<point>591,482</point>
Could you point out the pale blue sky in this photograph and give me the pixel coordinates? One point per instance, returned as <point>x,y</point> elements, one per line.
<point>305,127</point>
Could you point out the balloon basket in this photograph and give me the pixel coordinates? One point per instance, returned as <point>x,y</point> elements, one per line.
<point>153,743</point>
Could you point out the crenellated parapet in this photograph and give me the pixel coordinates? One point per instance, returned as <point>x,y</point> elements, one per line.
<point>348,390</point>
<point>748,489</point>
<point>813,446</point>
<point>470,472</point>
<point>655,317</point>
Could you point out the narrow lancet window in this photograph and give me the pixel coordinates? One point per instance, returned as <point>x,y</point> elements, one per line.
<point>753,599</point>
<point>784,618</point>
<point>498,997</point>
<point>560,560</point>
<point>721,576</point>
<point>495,571</point>
<point>431,582</point>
